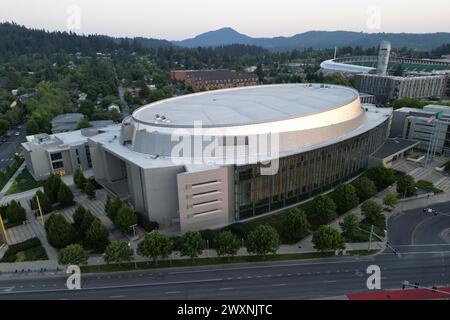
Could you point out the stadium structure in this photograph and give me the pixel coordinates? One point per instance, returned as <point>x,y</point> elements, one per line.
<point>213,158</point>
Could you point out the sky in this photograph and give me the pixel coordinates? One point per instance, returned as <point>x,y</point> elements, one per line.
<point>181,19</point>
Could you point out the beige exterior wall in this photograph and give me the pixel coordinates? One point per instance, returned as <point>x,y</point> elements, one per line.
<point>205,200</point>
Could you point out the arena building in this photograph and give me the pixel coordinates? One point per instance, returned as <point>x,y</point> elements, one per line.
<point>209,159</point>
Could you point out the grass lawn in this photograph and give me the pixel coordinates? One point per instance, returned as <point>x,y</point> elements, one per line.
<point>215,261</point>
<point>24,181</point>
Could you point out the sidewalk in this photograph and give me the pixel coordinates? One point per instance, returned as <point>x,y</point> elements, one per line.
<point>11,180</point>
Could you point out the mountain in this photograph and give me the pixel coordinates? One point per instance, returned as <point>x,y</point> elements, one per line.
<point>318,40</point>
<point>215,38</point>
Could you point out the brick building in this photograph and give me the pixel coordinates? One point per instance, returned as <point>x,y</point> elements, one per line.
<point>201,80</point>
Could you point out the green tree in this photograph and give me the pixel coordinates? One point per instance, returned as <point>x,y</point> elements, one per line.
<point>192,244</point>
<point>295,225</point>
<point>322,210</point>
<point>226,243</point>
<point>52,186</point>
<point>15,213</point>
<point>125,218</point>
<point>373,214</point>
<point>79,179</point>
<point>155,245</point>
<point>45,203</point>
<point>390,200</point>
<point>84,123</point>
<point>4,127</point>
<point>112,207</point>
<point>406,186</point>
<point>350,226</point>
<point>72,254</point>
<point>118,251</point>
<point>89,189</point>
<point>97,236</point>
<point>327,239</point>
<point>65,195</point>
<point>60,233</point>
<point>365,188</point>
<point>381,176</point>
<point>262,240</point>
<point>345,197</point>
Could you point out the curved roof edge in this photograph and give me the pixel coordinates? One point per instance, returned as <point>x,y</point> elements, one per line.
<point>343,67</point>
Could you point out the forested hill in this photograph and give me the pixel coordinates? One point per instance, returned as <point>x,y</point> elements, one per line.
<point>16,39</point>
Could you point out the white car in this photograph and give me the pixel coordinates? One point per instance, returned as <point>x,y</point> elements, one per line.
<point>17,133</point>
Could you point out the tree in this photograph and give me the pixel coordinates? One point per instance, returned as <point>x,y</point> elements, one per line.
<point>349,226</point>
<point>60,233</point>
<point>322,210</point>
<point>345,197</point>
<point>78,216</point>
<point>365,188</point>
<point>79,179</point>
<point>192,244</point>
<point>89,189</point>
<point>65,195</point>
<point>52,186</point>
<point>226,243</point>
<point>97,236</point>
<point>406,185</point>
<point>381,176</point>
<point>373,214</point>
<point>125,218</point>
<point>118,251</point>
<point>262,240</point>
<point>15,213</point>
<point>72,254</point>
<point>4,127</point>
<point>112,207</point>
<point>295,225</point>
<point>390,200</point>
<point>84,123</point>
<point>44,202</point>
<point>155,245</point>
<point>327,239</point>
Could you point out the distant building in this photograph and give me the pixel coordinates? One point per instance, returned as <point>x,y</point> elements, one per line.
<point>25,97</point>
<point>114,107</point>
<point>82,97</point>
<point>201,80</point>
<point>66,122</point>
<point>60,153</point>
<point>388,88</point>
<point>420,125</point>
<point>69,122</point>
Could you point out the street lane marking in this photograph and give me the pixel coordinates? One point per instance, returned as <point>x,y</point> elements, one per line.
<point>6,289</point>
<point>226,289</point>
<point>173,292</point>
<point>329,281</point>
<point>116,297</point>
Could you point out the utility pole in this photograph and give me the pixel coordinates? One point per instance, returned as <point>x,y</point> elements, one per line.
<point>370,237</point>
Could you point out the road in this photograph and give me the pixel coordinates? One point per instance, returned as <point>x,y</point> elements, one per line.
<point>10,147</point>
<point>416,227</point>
<point>310,279</point>
<point>424,258</point>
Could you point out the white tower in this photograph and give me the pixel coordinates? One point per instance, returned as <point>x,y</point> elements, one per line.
<point>383,57</point>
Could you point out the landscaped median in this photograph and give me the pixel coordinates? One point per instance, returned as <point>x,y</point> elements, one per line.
<point>141,265</point>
